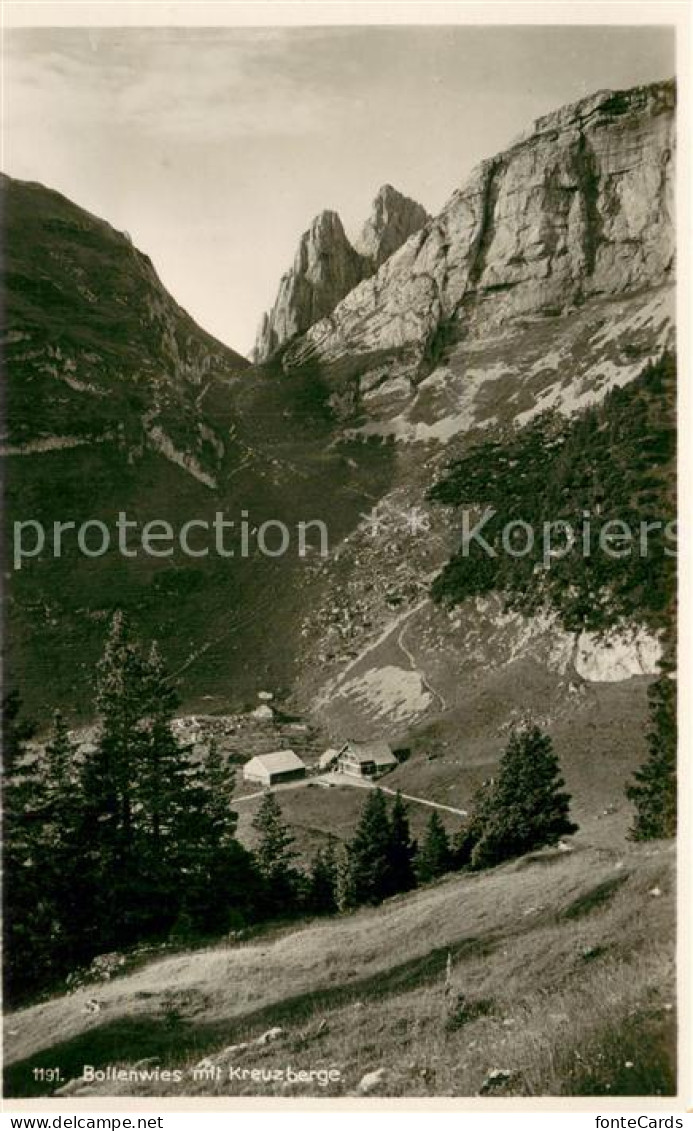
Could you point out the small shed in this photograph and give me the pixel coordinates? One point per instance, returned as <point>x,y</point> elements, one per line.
<point>366,759</point>
<point>271,769</point>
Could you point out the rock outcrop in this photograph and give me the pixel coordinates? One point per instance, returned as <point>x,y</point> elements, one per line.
<point>327,267</point>
<point>580,207</point>
<point>393,219</point>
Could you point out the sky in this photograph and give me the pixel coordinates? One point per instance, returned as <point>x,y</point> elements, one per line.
<point>215,147</point>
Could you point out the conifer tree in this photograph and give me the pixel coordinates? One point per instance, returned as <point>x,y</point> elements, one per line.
<point>344,895</point>
<point>136,797</point>
<point>59,772</point>
<point>653,791</point>
<point>219,881</point>
<point>162,780</point>
<point>369,853</point>
<point>402,849</point>
<point>322,882</point>
<point>61,849</point>
<point>274,857</point>
<point>26,917</point>
<point>434,857</point>
<point>525,807</point>
<point>471,832</point>
<point>22,925</point>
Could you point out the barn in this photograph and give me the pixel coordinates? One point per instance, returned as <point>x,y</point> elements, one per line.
<point>272,769</point>
<point>366,759</point>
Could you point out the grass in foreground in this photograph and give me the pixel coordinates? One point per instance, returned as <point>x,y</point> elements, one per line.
<point>562,984</point>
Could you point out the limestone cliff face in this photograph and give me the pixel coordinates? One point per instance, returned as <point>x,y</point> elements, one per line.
<point>581,206</point>
<point>327,267</point>
<point>392,220</point>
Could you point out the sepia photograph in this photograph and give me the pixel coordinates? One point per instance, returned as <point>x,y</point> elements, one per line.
<point>339,437</point>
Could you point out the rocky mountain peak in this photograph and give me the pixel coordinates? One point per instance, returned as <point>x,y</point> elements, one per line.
<point>327,266</point>
<point>560,243</point>
<point>393,219</point>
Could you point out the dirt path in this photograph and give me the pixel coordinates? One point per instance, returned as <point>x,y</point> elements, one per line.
<point>415,668</point>
<point>424,801</point>
<point>391,628</point>
<point>365,783</point>
<point>332,780</point>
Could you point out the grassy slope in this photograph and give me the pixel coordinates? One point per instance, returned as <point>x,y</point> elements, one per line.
<point>564,961</point>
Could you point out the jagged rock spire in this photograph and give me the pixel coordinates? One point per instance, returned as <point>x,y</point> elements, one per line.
<point>327,266</point>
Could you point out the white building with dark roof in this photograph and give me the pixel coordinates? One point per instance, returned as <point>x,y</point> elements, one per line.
<point>271,769</point>
<point>366,759</point>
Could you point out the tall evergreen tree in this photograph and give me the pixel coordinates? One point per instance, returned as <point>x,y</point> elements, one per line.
<point>369,853</point>
<point>434,857</point>
<point>59,771</point>
<point>219,882</point>
<point>472,830</point>
<point>274,857</point>
<point>27,911</point>
<point>111,863</point>
<point>61,848</point>
<point>322,882</point>
<point>653,792</point>
<point>137,797</point>
<point>162,783</point>
<point>402,849</point>
<point>344,893</point>
<point>525,807</point>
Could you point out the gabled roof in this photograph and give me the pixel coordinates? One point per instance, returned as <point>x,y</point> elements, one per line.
<point>279,762</point>
<point>329,756</point>
<point>378,752</point>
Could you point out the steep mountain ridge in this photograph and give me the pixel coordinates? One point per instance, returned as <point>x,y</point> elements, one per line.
<point>97,348</point>
<point>327,266</point>
<point>575,214</point>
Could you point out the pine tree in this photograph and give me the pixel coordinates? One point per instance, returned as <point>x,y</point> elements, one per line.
<point>61,849</point>
<point>136,788</point>
<point>471,832</point>
<point>525,807</point>
<point>274,857</point>
<point>322,882</point>
<point>653,791</point>
<point>344,894</point>
<point>402,850</point>
<point>220,885</point>
<point>369,853</point>
<point>107,785</point>
<point>27,905</point>
<point>434,857</point>
<point>162,792</point>
<point>59,762</point>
